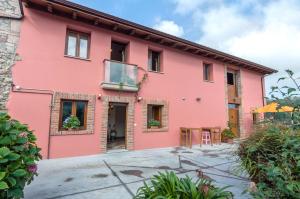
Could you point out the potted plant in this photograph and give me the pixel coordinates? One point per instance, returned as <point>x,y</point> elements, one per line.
<point>154,124</point>
<point>71,123</point>
<point>227,136</point>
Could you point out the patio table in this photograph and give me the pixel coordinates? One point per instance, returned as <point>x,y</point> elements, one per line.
<point>187,132</point>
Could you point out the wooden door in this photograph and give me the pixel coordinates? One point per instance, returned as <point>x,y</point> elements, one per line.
<point>234,120</point>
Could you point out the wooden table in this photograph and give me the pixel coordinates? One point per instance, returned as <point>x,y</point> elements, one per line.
<point>216,134</point>
<point>187,133</point>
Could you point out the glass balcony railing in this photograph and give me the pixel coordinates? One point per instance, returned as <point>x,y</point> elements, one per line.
<point>119,76</point>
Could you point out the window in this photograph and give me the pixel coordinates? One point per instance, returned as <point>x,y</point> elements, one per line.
<point>154,113</point>
<point>76,108</point>
<point>230,78</point>
<point>255,118</point>
<point>118,51</point>
<point>77,44</point>
<point>233,106</point>
<point>207,72</point>
<point>154,61</point>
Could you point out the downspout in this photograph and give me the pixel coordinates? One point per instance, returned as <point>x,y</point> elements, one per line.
<point>17,89</point>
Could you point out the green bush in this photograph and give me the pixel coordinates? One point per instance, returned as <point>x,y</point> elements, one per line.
<point>169,186</point>
<point>72,122</point>
<point>227,133</point>
<point>271,156</point>
<point>18,156</point>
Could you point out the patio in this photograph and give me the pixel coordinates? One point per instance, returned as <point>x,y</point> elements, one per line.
<point>119,174</point>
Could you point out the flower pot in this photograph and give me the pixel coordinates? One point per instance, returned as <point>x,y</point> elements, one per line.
<point>153,127</point>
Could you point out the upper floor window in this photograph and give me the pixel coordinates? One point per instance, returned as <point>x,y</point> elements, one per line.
<point>230,78</point>
<point>118,51</point>
<point>154,61</point>
<point>73,108</point>
<point>207,72</point>
<point>77,44</point>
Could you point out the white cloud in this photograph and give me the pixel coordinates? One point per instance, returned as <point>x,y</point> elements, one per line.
<point>267,32</point>
<point>169,27</point>
<point>220,24</point>
<point>186,6</point>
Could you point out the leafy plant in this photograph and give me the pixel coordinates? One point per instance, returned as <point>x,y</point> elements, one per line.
<point>71,122</point>
<point>121,85</point>
<point>153,122</point>
<point>18,156</point>
<point>169,186</point>
<point>271,156</point>
<point>227,133</point>
<point>288,96</point>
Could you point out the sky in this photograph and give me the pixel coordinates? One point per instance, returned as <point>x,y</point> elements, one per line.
<point>264,31</point>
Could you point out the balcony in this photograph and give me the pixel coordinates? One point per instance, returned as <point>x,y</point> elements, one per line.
<point>119,76</point>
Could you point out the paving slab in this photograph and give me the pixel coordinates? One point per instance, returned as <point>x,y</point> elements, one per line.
<point>120,174</point>
<point>118,192</point>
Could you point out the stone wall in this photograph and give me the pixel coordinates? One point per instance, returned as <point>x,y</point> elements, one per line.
<point>10,22</point>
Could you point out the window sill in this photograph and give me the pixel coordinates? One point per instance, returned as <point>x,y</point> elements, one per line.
<point>209,81</point>
<point>84,59</point>
<point>164,129</point>
<point>158,72</point>
<point>73,132</point>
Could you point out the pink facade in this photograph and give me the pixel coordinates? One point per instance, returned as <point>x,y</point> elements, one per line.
<point>44,66</point>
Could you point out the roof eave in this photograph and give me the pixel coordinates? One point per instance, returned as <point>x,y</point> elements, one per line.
<point>156,36</point>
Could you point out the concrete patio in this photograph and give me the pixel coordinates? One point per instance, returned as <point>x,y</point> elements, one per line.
<point>119,174</point>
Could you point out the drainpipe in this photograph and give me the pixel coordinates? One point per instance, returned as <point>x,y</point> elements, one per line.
<point>17,89</point>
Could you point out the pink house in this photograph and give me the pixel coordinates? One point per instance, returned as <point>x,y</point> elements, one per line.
<point>129,86</point>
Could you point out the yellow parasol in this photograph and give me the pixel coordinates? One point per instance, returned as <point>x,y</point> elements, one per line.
<point>272,108</point>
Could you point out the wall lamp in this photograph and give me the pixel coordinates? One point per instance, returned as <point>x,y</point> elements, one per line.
<point>139,98</point>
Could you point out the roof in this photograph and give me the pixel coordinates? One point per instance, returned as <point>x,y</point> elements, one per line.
<point>102,20</point>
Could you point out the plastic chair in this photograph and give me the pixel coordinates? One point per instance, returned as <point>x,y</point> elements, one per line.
<point>206,139</point>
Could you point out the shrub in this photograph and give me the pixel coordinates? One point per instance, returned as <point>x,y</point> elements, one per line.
<point>168,185</point>
<point>271,156</point>
<point>71,122</point>
<point>287,94</point>
<point>18,156</point>
<point>227,133</point>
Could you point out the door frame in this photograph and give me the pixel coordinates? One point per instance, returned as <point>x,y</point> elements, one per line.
<point>130,101</point>
<point>126,116</point>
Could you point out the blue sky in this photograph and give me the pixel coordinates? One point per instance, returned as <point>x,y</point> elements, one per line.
<point>263,31</point>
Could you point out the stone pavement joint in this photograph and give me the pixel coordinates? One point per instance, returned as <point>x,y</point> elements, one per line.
<point>116,175</point>
<point>121,174</point>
